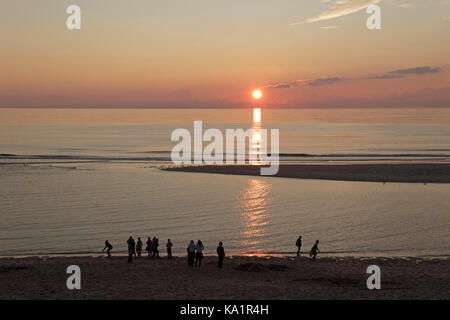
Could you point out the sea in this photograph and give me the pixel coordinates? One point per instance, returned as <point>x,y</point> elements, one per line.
<point>71,178</point>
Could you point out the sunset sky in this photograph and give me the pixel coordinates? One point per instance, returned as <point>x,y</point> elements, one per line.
<point>211,53</point>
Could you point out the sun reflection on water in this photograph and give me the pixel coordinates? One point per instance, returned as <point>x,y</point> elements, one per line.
<point>256,141</point>
<point>253,202</point>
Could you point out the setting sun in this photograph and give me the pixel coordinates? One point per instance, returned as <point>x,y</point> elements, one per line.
<point>257,94</point>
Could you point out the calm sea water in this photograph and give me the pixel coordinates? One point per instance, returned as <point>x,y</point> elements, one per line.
<point>71,178</point>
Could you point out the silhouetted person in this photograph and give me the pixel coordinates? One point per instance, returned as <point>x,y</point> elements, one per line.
<point>169,246</point>
<point>131,246</point>
<point>139,247</point>
<point>199,253</point>
<point>299,245</point>
<point>314,250</point>
<point>191,253</point>
<point>134,247</point>
<point>109,246</point>
<point>149,246</point>
<point>155,245</point>
<point>220,254</point>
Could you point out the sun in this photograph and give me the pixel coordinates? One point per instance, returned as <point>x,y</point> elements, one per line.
<point>257,94</point>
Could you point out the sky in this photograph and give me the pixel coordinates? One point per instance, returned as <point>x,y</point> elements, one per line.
<point>214,53</point>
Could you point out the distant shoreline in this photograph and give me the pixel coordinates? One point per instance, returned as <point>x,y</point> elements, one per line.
<point>242,277</point>
<point>375,172</point>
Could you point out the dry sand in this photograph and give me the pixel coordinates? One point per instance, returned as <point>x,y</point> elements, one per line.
<point>374,172</point>
<point>241,278</point>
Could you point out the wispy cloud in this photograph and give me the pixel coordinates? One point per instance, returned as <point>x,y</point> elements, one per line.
<point>338,9</point>
<point>319,81</point>
<point>401,73</point>
<point>305,82</point>
<point>278,86</point>
<point>418,70</point>
<point>330,27</point>
<point>386,76</point>
<point>326,81</point>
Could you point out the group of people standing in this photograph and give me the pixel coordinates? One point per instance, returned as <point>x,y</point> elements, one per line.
<point>314,249</point>
<point>152,245</point>
<point>195,251</point>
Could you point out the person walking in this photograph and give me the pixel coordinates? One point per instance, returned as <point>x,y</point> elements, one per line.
<point>191,253</point>
<point>220,254</point>
<point>199,253</point>
<point>314,250</point>
<point>299,245</point>
<point>109,246</point>
<point>169,246</point>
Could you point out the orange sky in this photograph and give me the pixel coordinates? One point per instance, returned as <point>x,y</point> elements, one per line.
<point>214,53</point>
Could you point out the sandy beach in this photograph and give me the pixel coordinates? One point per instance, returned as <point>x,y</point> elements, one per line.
<point>386,172</point>
<point>241,278</point>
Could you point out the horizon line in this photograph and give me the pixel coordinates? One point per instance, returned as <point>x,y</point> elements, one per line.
<point>222,107</point>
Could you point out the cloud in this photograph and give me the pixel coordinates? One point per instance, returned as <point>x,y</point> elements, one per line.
<point>305,82</point>
<point>338,9</point>
<point>418,70</point>
<point>330,27</point>
<point>387,76</point>
<point>319,81</point>
<point>446,18</point>
<point>278,86</point>
<point>401,73</point>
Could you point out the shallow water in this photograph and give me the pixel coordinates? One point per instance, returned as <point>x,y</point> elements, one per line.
<point>50,209</point>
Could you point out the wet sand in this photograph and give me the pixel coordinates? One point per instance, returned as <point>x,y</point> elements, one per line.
<point>241,278</point>
<point>392,172</point>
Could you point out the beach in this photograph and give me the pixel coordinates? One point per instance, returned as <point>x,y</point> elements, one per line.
<point>242,277</point>
<point>374,172</point>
